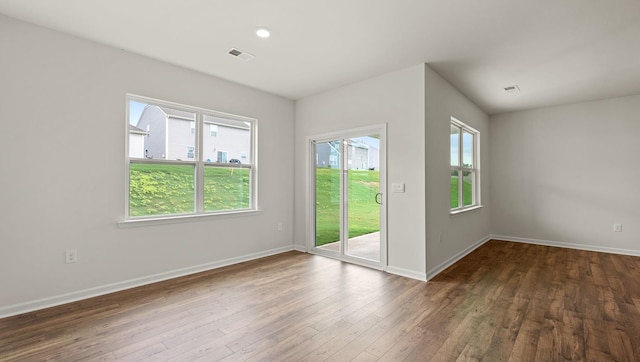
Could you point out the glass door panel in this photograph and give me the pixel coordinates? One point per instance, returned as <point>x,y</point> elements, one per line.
<point>347,216</point>
<point>362,179</point>
<point>328,196</point>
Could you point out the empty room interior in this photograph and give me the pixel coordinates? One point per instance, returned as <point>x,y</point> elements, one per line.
<point>338,180</point>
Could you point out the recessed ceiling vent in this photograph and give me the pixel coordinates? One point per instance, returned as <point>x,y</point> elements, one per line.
<point>512,89</point>
<point>242,55</point>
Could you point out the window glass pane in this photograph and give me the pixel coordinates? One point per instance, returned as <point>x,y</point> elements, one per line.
<point>136,135</point>
<point>160,189</point>
<point>159,132</point>
<point>467,149</point>
<point>226,188</point>
<point>228,140</point>
<point>467,188</point>
<point>454,189</point>
<point>455,145</point>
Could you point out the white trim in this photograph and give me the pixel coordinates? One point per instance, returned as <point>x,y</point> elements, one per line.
<point>351,132</point>
<point>407,273</point>
<point>438,269</point>
<point>127,159</point>
<point>558,244</point>
<point>33,305</point>
<point>462,210</point>
<point>173,219</point>
<point>300,248</point>
<point>382,168</point>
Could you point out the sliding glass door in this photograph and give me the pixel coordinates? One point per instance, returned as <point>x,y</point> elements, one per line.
<point>347,198</point>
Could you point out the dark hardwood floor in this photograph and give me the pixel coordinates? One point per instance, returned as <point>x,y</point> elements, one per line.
<point>503,302</point>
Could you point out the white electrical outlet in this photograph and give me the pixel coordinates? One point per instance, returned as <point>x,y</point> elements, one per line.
<point>71,256</point>
<point>617,228</point>
<point>280,227</point>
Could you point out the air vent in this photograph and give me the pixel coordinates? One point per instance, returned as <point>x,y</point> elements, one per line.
<point>512,89</point>
<point>242,55</point>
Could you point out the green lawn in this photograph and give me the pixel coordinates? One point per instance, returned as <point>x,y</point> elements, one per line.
<point>168,189</point>
<point>364,212</point>
<point>467,192</point>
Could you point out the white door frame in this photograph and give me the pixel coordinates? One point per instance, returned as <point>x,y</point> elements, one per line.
<point>380,129</point>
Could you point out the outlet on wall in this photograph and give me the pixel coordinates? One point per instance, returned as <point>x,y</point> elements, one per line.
<point>71,256</point>
<point>617,228</point>
<point>280,226</point>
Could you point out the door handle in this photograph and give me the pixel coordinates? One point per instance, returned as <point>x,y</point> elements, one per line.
<point>379,201</point>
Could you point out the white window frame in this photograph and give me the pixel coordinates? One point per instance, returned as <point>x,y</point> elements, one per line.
<point>474,170</point>
<point>198,164</point>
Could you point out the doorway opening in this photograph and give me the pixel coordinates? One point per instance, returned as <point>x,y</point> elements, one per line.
<point>347,196</point>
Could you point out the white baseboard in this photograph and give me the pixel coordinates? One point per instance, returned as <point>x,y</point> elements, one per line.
<point>30,306</point>
<point>299,248</point>
<point>558,244</point>
<point>406,273</point>
<point>437,270</point>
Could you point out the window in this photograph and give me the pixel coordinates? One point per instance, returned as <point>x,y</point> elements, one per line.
<point>213,129</point>
<point>465,169</point>
<point>333,160</point>
<point>174,175</point>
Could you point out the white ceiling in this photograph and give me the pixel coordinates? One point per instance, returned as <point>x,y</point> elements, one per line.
<point>557,51</point>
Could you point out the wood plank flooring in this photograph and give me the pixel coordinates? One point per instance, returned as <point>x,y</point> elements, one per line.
<point>503,302</point>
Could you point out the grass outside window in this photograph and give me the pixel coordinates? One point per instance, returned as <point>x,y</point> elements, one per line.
<point>156,190</point>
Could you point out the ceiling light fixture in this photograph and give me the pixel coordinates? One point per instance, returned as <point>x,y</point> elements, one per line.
<point>263,33</point>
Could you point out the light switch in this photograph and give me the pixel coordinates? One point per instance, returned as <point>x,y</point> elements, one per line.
<point>397,187</point>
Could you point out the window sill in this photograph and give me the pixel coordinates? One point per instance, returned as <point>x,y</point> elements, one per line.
<point>184,218</point>
<point>460,211</point>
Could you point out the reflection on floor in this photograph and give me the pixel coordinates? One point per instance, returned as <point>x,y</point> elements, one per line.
<point>364,246</point>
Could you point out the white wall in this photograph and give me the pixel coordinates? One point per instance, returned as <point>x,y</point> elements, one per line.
<point>566,174</point>
<point>560,175</point>
<point>461,232</point>
<point>396,99</point>
<point>62,131</point>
